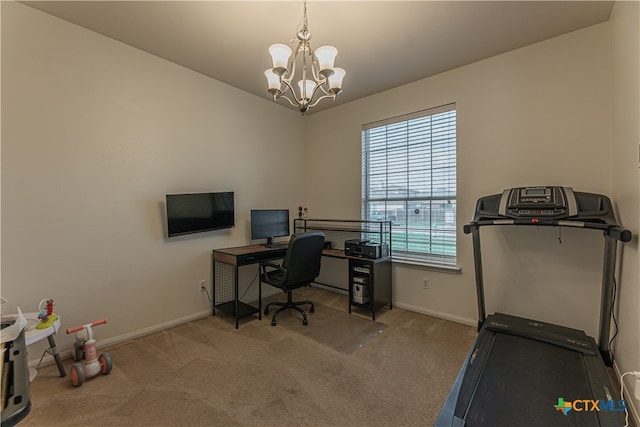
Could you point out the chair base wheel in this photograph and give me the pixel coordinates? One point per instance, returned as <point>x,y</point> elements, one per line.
<point>293,305</point>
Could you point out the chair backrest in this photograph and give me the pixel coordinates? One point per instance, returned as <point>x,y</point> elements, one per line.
<point>302,260</point>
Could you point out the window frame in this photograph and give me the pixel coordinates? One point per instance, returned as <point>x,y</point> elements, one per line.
<point>446,256</point>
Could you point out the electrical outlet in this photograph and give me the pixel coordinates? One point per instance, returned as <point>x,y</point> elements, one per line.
<point>202,286</point>
<point>425,283</point>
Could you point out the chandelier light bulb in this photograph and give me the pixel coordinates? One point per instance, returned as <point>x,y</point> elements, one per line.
<point>335,80</point>
<point>273,81</point>
<point>326,56</point>
<point>306,89</point>
<point>280,54</point>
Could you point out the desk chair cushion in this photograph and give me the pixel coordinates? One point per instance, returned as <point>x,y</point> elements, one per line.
<point>300,267</point>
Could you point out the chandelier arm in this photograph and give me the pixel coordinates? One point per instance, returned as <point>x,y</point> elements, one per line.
<point>288,86</point>
<point>281,92</point>
<point>293,104</point>
<point>316,75</point>
<point>306,52</point>
<point>321,87</point>
<point>292,67</point>
<point>328,95</point>
<point>315,90</point>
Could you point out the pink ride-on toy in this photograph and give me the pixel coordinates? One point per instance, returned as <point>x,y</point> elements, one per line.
<point>86,348</point>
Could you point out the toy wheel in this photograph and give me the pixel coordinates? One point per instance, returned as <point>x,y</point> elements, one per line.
<point>105,363</point>
<point>77,374</point>
<point>77,354</point>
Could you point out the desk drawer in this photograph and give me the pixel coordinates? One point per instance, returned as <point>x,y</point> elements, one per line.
<point>256,258</point>
<point>247,255</point>
<point>248,259</point>
<point>278,254</point>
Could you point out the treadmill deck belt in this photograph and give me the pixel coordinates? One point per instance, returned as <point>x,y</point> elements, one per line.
<point>514,379</point>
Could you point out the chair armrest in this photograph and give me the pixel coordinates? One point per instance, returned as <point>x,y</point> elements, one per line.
<point>272,265</point>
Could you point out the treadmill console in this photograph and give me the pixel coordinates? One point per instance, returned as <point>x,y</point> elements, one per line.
<point>538,202</point>
<point>551,206</point>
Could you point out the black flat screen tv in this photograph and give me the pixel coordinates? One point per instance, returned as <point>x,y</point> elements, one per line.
<point>199,212</point>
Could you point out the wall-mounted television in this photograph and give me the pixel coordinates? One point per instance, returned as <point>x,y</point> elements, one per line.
<point>199,212</point>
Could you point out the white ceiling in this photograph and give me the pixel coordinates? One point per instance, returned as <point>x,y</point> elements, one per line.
<point>381,44</point>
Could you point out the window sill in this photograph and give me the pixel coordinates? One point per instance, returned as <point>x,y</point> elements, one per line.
<point>428,265</point>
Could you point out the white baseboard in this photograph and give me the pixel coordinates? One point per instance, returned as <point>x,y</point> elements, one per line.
<point>439,314</point>
<point>48,359</point>
<point>332,288</point>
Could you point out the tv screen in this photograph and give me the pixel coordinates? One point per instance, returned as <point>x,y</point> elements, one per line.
<point>269,223</point>
<point>199,212</point>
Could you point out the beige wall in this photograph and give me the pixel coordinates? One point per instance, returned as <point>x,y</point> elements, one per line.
<point>94,134</point>
<point>625,23</point>
<point>540,115</point>
<point>546,114</point>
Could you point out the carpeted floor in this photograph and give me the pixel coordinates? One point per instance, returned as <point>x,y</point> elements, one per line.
<point>396,371</point>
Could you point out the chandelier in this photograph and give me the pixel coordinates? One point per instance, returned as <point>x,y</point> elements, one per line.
<point>319,79</point>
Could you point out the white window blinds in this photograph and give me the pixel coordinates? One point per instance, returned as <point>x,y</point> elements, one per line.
<point>409,178</point>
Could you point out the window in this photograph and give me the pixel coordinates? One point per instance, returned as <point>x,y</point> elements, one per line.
<point>409,178</point>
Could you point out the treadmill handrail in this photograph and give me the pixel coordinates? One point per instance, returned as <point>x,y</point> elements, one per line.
<point>613,231</point>
<point>596,214</point>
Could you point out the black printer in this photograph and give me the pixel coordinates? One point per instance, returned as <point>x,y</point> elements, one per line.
<point>365,248</point>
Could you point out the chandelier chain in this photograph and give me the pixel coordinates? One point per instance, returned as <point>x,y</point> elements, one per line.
<point>305,22</point>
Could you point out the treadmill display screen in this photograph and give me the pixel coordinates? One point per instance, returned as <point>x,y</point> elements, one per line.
<point>536,191</point>
<point>548,203</point>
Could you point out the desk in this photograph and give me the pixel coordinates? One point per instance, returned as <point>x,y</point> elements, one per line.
<point>372,275</point>
<point>225,270</point>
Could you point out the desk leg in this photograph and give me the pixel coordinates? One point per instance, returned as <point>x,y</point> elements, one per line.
<point>213,288</point>
<point>237,310</point>
<point>54,351</point>
<point>259,292</point>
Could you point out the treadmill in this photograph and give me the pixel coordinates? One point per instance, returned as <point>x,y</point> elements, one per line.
<point>523,372</point>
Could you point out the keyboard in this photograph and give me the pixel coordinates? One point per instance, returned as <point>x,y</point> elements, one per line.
<point>283,245</point>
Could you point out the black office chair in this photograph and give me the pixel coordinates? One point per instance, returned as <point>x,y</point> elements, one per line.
<point>300,267</point>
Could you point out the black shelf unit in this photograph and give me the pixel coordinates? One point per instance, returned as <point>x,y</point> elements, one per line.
<point>244,309</point>
<point>370,282</point>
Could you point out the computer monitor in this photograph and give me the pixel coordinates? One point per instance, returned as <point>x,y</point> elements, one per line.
<point>269,223</point>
